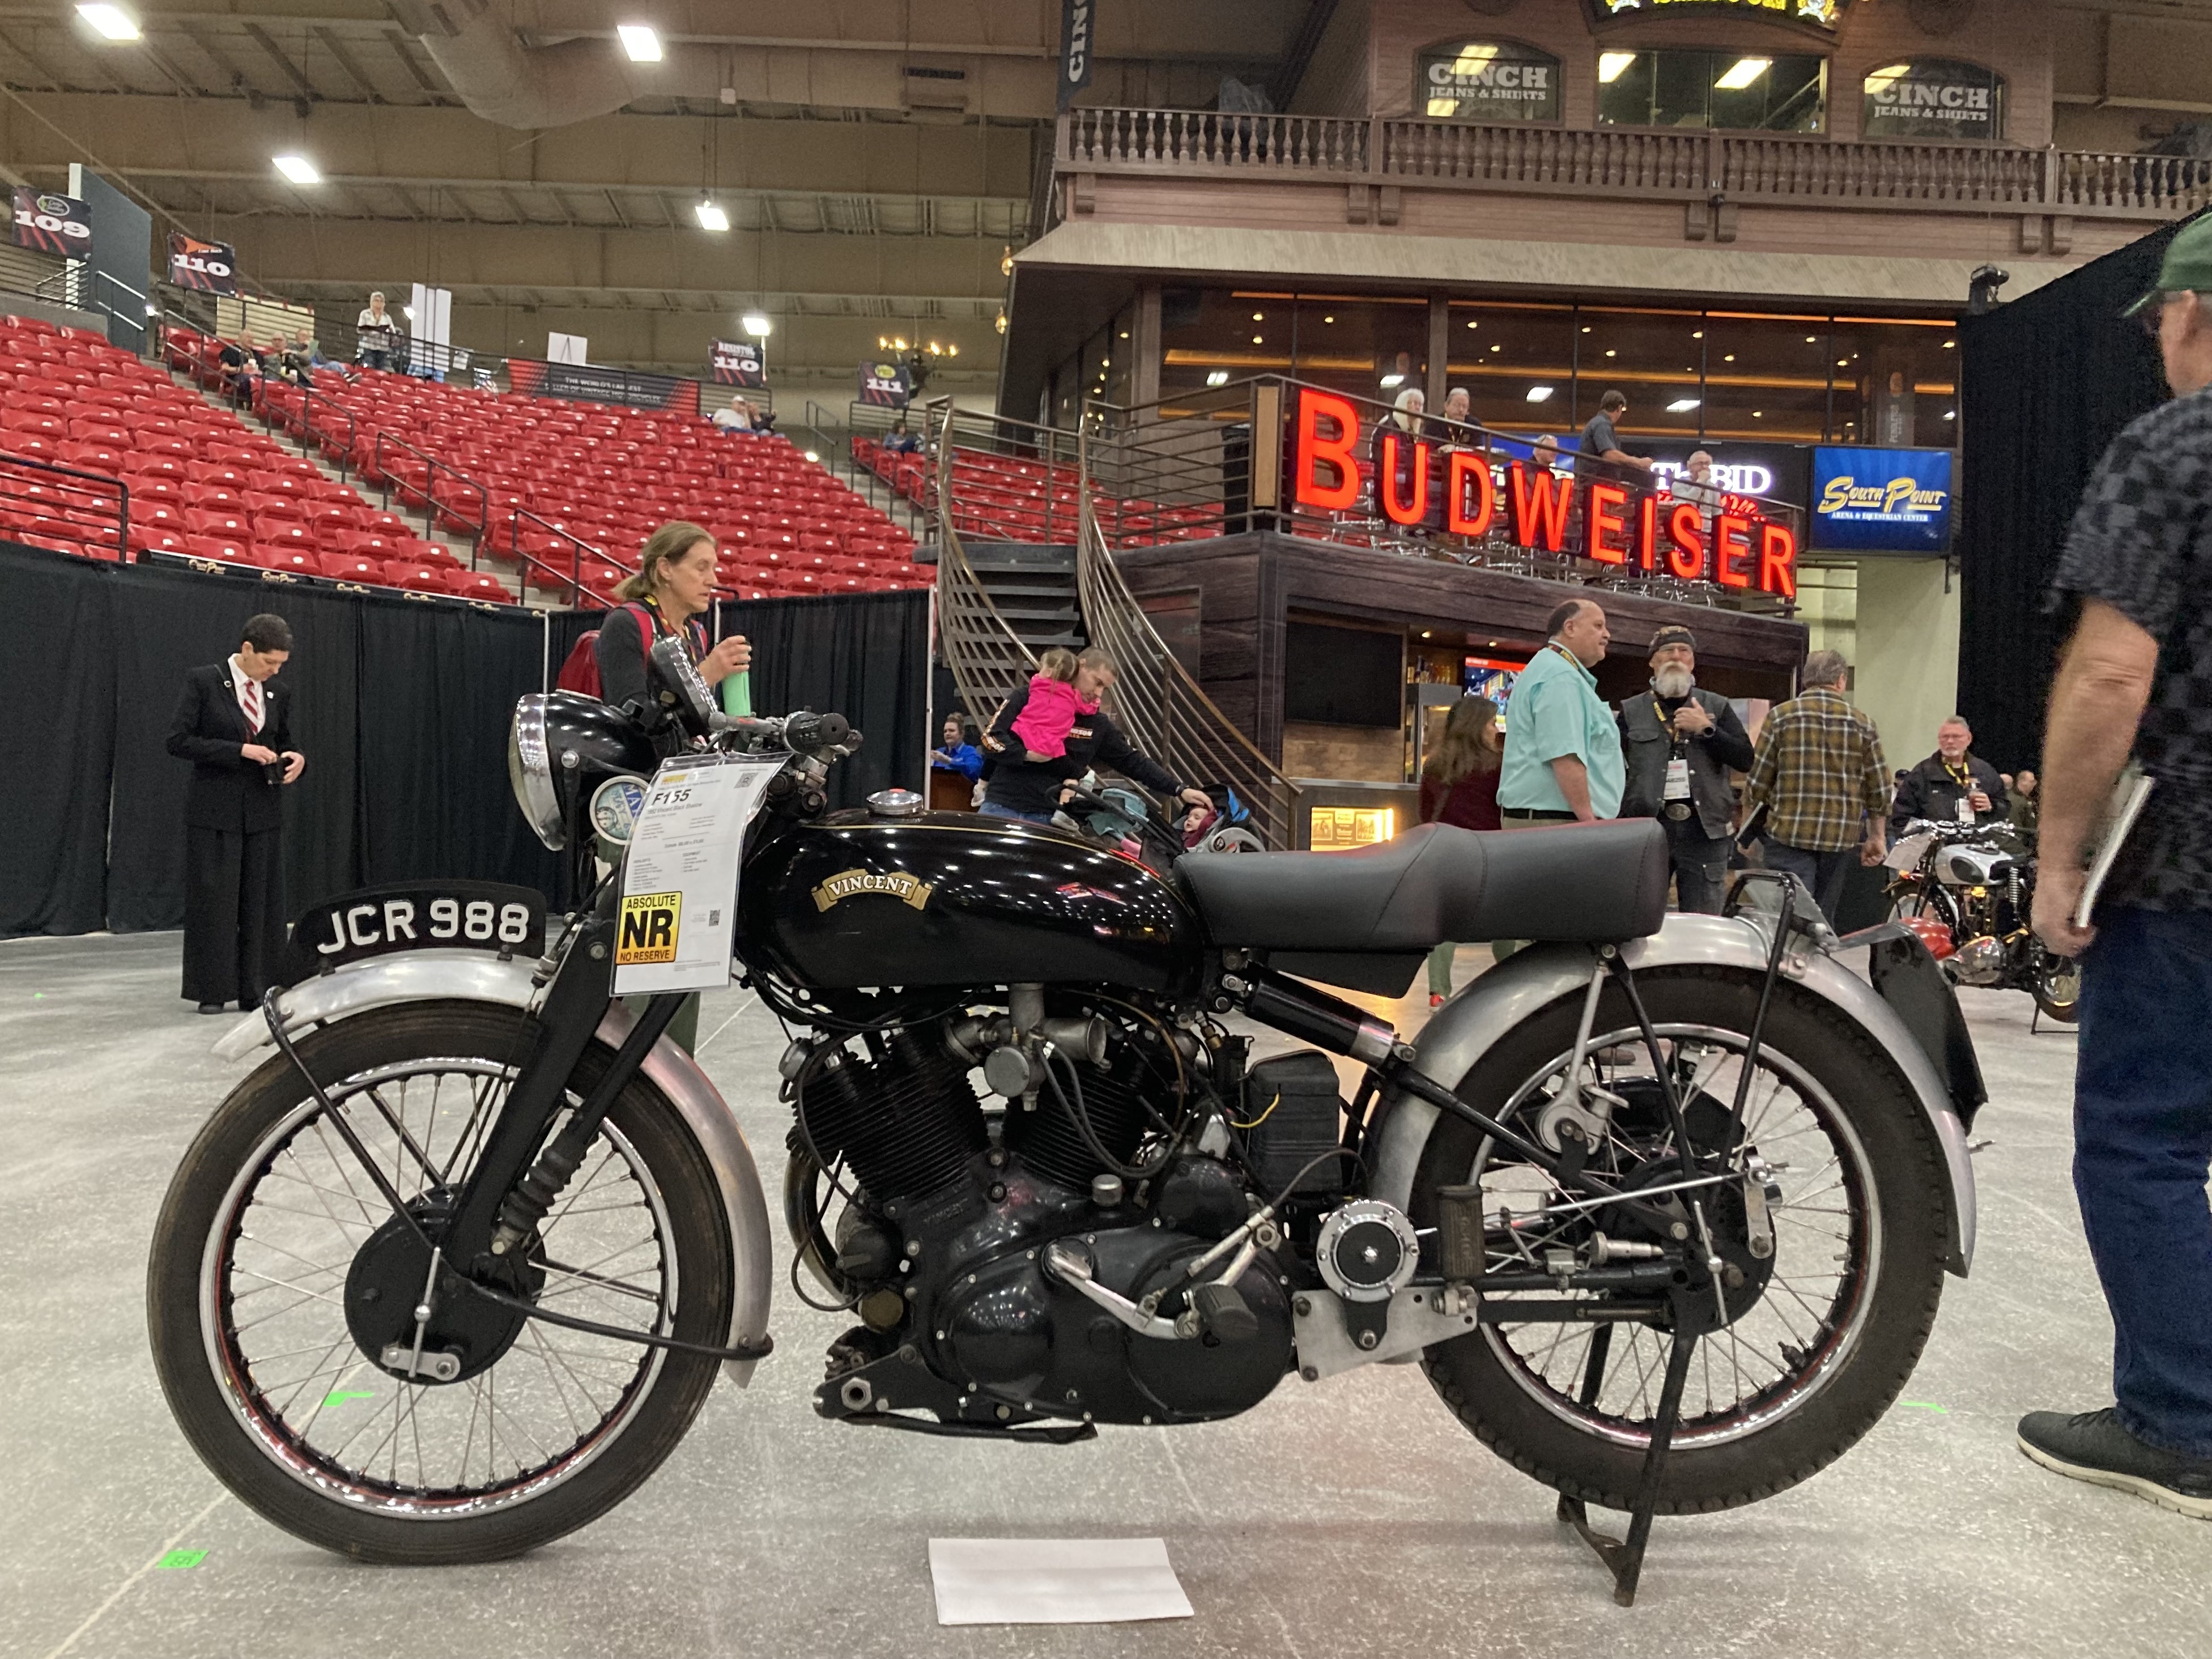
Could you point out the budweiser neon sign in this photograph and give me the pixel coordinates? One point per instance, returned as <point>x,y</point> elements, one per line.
<point>1740,548</point>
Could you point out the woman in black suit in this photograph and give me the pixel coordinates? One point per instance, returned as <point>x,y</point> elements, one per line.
<point>235,725</point>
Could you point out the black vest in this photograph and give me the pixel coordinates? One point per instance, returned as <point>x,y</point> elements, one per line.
<point>1650,748</point>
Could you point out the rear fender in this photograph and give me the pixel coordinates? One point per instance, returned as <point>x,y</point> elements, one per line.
<point>434,975</point>
<point>1475,1021</point>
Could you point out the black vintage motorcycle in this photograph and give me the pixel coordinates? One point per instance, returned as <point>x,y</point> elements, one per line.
<point>1662,1205</point>
<point>1976,883</point>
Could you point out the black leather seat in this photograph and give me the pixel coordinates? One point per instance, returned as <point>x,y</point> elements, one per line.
<point>1594,884</point>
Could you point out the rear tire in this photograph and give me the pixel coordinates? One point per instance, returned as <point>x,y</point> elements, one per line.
<point>286,1470</point>
<point>1716,1464</point>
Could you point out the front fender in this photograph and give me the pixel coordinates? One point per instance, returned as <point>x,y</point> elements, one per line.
<point>1474,1022</point>
<point>434,975</point>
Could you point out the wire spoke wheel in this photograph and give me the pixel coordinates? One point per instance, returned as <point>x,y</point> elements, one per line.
<point>266,1258</point>
<point>1775,1353</point>
<point>275,1281</point>
<point>1805,1341</point>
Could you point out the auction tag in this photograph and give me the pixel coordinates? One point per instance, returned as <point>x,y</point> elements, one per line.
<point>1678,779</point>
<point>679,904</point>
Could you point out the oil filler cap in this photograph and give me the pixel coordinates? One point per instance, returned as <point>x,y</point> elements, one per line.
<point>897,804</point>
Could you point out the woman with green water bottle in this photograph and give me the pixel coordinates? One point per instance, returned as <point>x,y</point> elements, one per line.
<point>674,587</point>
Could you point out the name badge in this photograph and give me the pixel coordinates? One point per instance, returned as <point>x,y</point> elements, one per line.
<point>1678,779</point>
<point>1965,809</point>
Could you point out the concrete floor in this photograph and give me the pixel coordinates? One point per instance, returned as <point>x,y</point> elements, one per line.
<point>1350,1518</point>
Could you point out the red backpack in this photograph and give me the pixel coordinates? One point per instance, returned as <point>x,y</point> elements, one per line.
<point>580,670</point>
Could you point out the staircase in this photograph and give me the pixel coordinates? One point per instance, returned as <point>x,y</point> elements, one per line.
<point>1000,602</point>
<point>1033,587</point>
<point>509,578</point>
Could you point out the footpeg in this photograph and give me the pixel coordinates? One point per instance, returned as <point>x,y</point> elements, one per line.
<point>1222,1313</point>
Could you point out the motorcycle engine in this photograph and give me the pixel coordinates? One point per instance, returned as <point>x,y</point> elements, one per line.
<point>956,1253</point>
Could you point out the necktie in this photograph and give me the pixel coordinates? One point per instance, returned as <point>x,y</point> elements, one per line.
<point>254,705</point>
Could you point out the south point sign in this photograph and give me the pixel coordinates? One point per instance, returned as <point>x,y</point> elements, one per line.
<point>1739,548</point>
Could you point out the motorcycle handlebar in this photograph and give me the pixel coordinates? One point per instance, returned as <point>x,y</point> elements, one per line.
<point>806,732</point>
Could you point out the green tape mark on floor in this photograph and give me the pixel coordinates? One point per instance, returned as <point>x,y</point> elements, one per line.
<point>339,1396</point>
<point>1924,1406</point>
<point>182,1558</point>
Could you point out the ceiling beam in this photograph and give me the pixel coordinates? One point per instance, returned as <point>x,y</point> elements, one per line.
<point>292,70</point>
<point>397,42</point>
<point>337,49</point>
<point>226,70</point>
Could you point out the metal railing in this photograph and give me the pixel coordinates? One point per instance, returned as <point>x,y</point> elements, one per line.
<point>1623,161</point>
<point>1226,459</point>
<point>45,503</point>
<point>987,659</point>
<point>428,502</point>
<point>1159,703</point>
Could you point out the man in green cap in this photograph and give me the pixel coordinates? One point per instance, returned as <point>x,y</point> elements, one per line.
<point>2137,675</point>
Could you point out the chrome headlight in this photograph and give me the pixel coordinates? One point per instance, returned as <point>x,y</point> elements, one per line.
<point>530,771</point>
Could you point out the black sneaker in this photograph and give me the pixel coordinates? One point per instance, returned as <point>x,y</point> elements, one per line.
<point>2093,1446</point>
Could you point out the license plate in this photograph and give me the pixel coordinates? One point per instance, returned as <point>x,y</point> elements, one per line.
<point>468,915</point>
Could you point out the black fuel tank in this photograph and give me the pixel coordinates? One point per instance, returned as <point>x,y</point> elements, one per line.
<point>955,898</point>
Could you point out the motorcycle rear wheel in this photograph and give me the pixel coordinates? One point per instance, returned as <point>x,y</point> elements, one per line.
<point>1824,1348</point>
<point>247,1289</point>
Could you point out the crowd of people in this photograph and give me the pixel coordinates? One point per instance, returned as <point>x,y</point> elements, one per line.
<point>1816,795</point>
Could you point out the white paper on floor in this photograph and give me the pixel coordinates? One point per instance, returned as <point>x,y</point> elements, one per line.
<point>1054,1581</point>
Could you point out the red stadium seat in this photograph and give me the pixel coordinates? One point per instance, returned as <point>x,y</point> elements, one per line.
<point>477,585</point>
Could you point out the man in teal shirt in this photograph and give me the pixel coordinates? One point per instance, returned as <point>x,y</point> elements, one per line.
<point>1563,760</point>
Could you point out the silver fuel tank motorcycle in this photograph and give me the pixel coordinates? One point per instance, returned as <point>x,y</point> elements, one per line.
<point>1661,1207</point>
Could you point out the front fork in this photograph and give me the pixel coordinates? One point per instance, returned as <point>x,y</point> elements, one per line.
<point>507,1196</point>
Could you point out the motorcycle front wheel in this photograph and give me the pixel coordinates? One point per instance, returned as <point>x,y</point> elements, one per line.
<point>2055,982</point>
<point>253,1270</point>
<point>1823,1329</point>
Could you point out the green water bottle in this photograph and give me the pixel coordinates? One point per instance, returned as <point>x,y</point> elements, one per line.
<point>738,694</point>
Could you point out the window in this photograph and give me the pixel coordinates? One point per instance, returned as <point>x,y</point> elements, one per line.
<point>1934,98</point>
<point>1655,358</point>
<point>1767,377</point>
<point>1896,383</point>
<point>1731,90</point>
<point>1365,347</point>
<point>1516,362</point>
<point>1487,81</point>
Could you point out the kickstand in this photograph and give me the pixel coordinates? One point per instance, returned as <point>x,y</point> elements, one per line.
<point>1624,1557</point>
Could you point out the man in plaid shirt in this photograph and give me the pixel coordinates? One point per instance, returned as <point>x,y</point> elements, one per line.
<point>1820,774</point>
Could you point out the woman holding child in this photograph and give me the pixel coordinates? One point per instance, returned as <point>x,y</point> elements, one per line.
<point>1050,732</point>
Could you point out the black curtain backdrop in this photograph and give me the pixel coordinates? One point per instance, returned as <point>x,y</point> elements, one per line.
<point>865,656</point>
<point>2048,380</point>
<point>401,707</point>
<point>53,657</point>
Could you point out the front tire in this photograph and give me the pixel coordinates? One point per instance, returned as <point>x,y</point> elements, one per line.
<point>247,1301</point>
<point>1853,1295</point>
<point>2055,982</point>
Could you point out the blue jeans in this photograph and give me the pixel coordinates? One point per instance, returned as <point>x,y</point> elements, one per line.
<point>991,809</point>
<point>1821,871</point>
<point>2142,1143</point>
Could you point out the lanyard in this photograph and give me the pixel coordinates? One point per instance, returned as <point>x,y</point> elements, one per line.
<point>1962,775</point>
<point>1681,743</point>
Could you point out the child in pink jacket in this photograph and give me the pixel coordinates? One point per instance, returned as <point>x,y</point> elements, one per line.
<point>1053,707</point>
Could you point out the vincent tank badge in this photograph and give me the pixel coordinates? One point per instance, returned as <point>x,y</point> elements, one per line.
<point>896,883</point>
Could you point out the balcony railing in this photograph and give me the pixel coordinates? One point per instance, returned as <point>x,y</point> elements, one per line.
<point>1757,168</point>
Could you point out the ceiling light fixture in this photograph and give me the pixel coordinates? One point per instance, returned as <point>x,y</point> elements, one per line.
<point>299,169</point>
<point>755,324</point>
<point>711,217</point>
<point>1681,405</point>
<point>643,45</point>
<point>1219,377</point>
<point>110,23</point>
<point>1537,394</point>
<point>1611,63</point>
<point>1742,72</point>
<point>1390,380</point>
